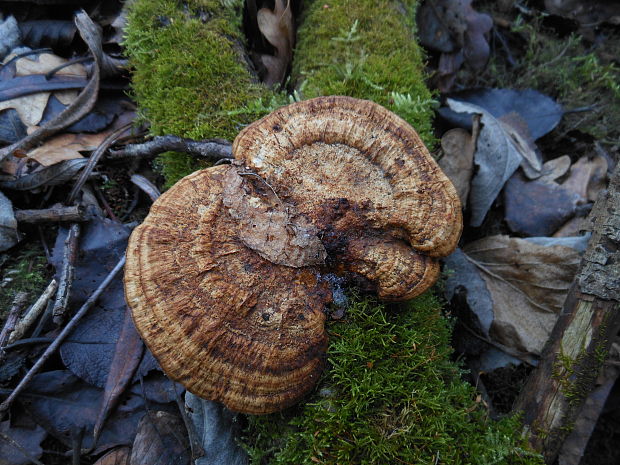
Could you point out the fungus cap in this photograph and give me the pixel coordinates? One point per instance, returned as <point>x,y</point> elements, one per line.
<point>225,275</point>
<point>362,175</point>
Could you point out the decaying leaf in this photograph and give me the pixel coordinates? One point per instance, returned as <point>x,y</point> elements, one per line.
<point>454,28</point>
<point>161,440</point>
<point>587,177</point>
<point>117,456</point>
<point>277,27</point>
<point>539,111</point>
<point>457,162</point>
<point>269,226</point>
<point>496,158</point>
<point>66,147</point>
<point>216,428</point>
<point>23,445</point>
<point>535,208</point>
<point>554,169</point>
<point>589,13</point>
<point>8,224</point>
<point>517,129</point>
<point>527,283</point>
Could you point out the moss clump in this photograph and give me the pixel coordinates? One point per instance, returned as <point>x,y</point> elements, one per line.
<point>189,72</point>
<point>364,49</point>
<point>390,395</point>
<point>25,272</point>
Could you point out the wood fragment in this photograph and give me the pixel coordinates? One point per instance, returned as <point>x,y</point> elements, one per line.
<point>209,149</point>
<point>579,343</point>
<point>34,312</point>
<point>74,213</point>
<point>66,274</point>
<point>61,337</point>
<point>11,321</point>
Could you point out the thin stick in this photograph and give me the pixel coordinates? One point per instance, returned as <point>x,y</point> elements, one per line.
<point>210,149</point>
<point>62,336</point>
<point>66,275</point>
<point>34,313</point>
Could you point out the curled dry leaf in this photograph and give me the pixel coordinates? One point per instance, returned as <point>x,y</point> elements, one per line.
<point>117,456</point>
<point>277,27</point>
<point>53,175</point>
<point>587,177</point>
<point>517,129</point>
<point>457,162</point>
<point>554,169</point>
<point>66,147</point>
<point>496,158</point>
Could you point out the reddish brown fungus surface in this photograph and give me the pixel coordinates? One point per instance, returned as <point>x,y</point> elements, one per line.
<point>224,275</point>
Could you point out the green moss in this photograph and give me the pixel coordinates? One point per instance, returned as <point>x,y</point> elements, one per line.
<point>390,395</point>
<point>364,49</point>
<point>25,272</point>
<point>189,72</point>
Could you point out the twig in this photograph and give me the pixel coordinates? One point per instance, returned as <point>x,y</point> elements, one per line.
<point>62,336</point>
<point>210,149</point>
<point>34,313</point>
<point>73,213</point>
<point>9,326</point>
<point>104,202</point>
<point>66,274</point>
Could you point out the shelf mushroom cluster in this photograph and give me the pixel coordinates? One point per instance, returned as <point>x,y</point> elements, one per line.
<point>226,276</point>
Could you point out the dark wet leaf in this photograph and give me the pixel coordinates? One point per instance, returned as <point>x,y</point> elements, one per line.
<point>589,13</point>
<point>21,86</point>
<point>28,438</point>
<point>98,119</point>
<point>216,429</point>
<point>541,113</point>
<point>535,208</point>
<point>457,161</point>
<point>63,404</point>
<point>53,175</point>
<point>11,127</point>
<point>496,158</point>
<point>127,356</point>
<point>47,33</point>
<point>161,440</point>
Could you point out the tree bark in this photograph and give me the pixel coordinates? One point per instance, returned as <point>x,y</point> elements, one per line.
<point>579,343</point>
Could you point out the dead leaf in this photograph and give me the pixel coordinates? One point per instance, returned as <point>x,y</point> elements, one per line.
<point>269,226</point>
<point>28,439</point>
<point>587,177</point>
<point>589,13</point>
<point>457,162</point>
<point>128,352</point>
<point>117,456</point>
<point>516,127</point>
<point>277,27</point>
<point>527,283</point>
<point>161,440</point>
<point>535,208</point>
<point>554,169</point>
<point>66,147</point>
<point>8,224</point>
<point>496,158</point>
<point>46,176</point>
<point>216,429</point>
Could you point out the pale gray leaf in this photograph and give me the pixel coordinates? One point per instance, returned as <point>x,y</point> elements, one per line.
<point>8,224</point>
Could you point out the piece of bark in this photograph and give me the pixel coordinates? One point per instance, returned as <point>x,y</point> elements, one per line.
<point>554,394</point>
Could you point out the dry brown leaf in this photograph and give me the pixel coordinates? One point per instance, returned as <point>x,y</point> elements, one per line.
<point>527,283</point>
<point>118,456</point>
<point>587,177</point>
<point>161,440</point>
<point>516,128</point>
<point>30,108</point>
<point>66,147</point>
<point>277,27</point>
<point>269,226</point>
<point>553,169</point>
<point>457,162</point>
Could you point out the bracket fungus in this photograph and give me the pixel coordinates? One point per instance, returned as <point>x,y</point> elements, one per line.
<point>226,276</point>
